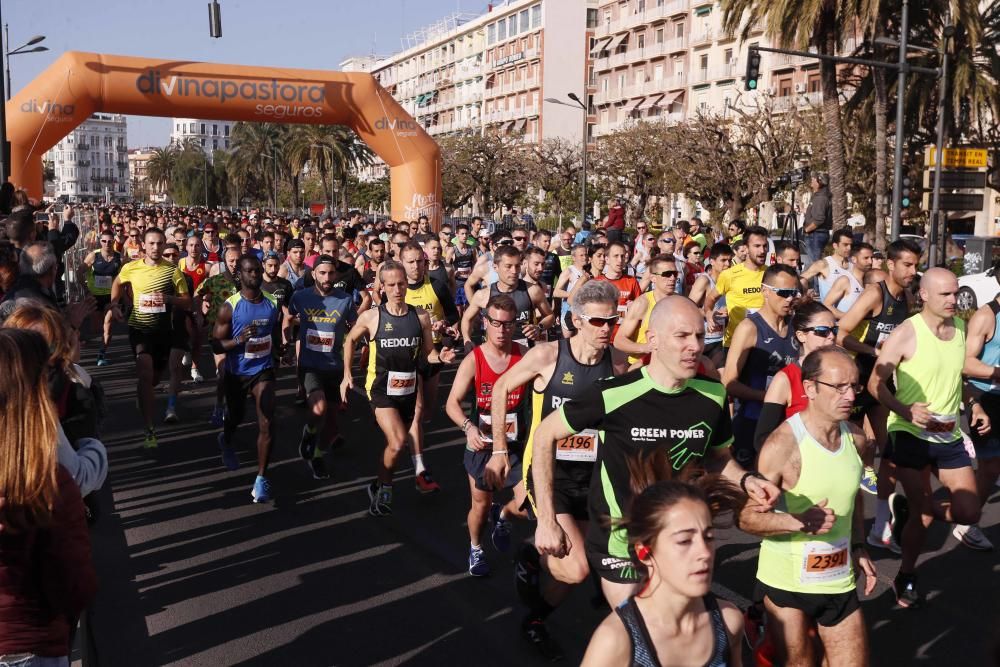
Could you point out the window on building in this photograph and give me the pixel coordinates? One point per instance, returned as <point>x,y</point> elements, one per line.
<point>203,142</point>
<point>501,30</point>
<point>640,6</point>
<point>215,130</point>
<point>659,35</point>
<point>814,85</point>
<point>512,25</point>
<point>640,40</point>
<point>525,21</point>
<point>536,16</point>
<point>491,33</point>
<point>191,128</point>
<point>785,87</point>
<point>215,144</point>
<point>226,128</point>
<point>679,30</point>
<point>227,143</point>
<point>591,18</point>
<point>203,128</point>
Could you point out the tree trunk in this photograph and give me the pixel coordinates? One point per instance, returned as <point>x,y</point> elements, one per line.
<point>881,153</point>
<point>834,133</point>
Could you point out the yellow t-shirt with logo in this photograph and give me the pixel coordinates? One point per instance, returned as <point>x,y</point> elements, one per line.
<point>741,287</point>
<point>150,283</point>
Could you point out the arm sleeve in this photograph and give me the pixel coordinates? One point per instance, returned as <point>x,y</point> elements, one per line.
<point>67,572</point>
<point>722,434</point>
<point>447,302</point>
<point>771,416</point>
<point>87,464</point>
<point>585,411</point>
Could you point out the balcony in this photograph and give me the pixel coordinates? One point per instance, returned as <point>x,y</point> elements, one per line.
<point>729,71</point>
<point>701,39</point>
<point>700,76</point>
<point>83,163</point>
<point>800,100</point>
<point>121,165</point>
<point>83,147</point>
<point>676,81</point>
<point>630,20</point>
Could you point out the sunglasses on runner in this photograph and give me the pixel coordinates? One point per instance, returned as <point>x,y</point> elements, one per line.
<point>171,255</point>
<point>824,331</point>
<point>600,321</point>
<point>520,238</point>
<point>499,324</point>
<point>669,273</point>
<point>783,293</point>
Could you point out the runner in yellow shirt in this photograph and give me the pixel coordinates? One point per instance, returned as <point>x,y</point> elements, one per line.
<point>740,285</point>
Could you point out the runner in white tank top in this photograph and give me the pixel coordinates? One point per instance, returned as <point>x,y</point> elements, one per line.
<point>847,288</point>
<point>827,270</point>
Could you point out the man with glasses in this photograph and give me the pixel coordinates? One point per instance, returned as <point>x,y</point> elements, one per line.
<point>740,285</point>
<point>492,455</point>
<point>213,245</point>
<point>520,236</point>
<point>813,548</point>
<point>102,266</point>
<point>132,248</point>
<point>762,344</point>
<point>631,336</point>
<point>564,251</point>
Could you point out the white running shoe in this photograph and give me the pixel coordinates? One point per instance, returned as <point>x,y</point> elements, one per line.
<point>196,375</point>
<point>972,537</point>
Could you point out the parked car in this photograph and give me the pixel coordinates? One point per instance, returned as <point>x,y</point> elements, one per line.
<point>977,289</point>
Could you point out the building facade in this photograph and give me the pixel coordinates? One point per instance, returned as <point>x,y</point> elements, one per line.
<point>91,162</point>
<point>211,135</point>
<point>141,188</point>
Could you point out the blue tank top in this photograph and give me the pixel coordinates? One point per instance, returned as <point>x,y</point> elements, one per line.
<point>295,280</point>
<point>990,354</point>
<point>255,355</point>
<point>322,326</point>
<point>771,353</point>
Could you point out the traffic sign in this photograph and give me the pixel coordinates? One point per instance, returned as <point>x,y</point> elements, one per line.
<point>956,202</point>
<point>956,180</point>
<point>960,158</point>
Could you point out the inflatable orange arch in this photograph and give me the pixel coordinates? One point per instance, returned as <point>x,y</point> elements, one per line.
<point>79,84</point>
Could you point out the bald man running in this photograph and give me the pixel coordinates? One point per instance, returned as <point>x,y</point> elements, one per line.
<point>664,412</point>
<point>927,354</point>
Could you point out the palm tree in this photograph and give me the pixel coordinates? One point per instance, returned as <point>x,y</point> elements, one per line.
<point>823,25</point>
<point>161,166</point>
<point>332,150</point>
<point>252,148</point>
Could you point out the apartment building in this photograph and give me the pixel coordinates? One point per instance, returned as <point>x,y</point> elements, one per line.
<point>91,163</point>
<point>211,135</point>
<point>491,72</point>
<point>142,189</point>
<point>670,59</point>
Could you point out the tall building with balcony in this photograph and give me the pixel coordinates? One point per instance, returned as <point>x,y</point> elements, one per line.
<point>211,135</point>
<point>670,59</point>
<point>142,189</point>
<point>492,72</point>
<point>91,162</point>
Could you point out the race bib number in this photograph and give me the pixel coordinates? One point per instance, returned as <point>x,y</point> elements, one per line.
<point>103,282</point>
<point>463,273</point>
<point>151,303</point>
<point>825,561</point>
<point>401,384</point>
<point>486,427</point>
<point>319,341</point>
<point>258,348</point>
<point>882,336</point>
<point>940,429</point>
<point>580,447</point>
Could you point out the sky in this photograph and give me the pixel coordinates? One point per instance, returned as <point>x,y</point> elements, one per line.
<point>308,34</point>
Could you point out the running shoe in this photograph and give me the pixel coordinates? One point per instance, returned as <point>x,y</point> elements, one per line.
<point>261,492</point>
<point>425,483</point>
<point>478,565</point>
<point>884,541</point>
<point>186,359</point>
<point>171,416</point>
<point>534,630</point>
<point>318,467</point>
<point>501,529</point>
<point>972,537</point>
<point>869,481</point>
<point>899,511</point>
<point>196,375</point>
<point>307,445</point>
<point>229,457</point>
<point>102,360</point>
<point>218,416</point>
<point>905,586</point>
<point>150,441</point>
<point>380,499</point>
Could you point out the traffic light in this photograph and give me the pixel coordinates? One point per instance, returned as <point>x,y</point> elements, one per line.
<point>753,68</point>
<point>905,193</point>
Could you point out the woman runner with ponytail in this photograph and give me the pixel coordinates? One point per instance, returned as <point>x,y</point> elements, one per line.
<point>674,619</point>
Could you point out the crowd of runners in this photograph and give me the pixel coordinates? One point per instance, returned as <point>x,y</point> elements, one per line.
<point>624,395</point>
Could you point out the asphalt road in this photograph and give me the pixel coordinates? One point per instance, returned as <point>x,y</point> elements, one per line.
<point>192,573</point>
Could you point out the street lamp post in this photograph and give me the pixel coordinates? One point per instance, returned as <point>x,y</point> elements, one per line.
<point>4,145</point>
<point>583,175</point>
<point>274,156</point>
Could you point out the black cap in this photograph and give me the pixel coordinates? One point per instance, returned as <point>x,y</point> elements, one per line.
<point>325,259</point>
<point>296,243</point>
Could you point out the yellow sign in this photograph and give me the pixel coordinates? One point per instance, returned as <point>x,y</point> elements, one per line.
<point>960,158</point>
